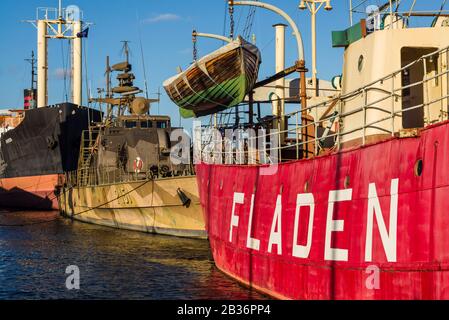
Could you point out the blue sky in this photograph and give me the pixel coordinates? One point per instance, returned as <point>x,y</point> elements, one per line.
<point>165,27</point>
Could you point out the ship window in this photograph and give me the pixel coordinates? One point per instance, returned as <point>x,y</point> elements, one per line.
<point>145,124</point>
<point>161,125</point>
<point>360,63</point>
<point>131,124</point>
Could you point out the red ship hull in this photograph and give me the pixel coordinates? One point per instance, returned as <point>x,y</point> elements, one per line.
<point>37,192</point>
<point>365,223</point>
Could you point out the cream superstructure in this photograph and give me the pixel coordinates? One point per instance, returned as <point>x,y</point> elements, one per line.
<point>386,54</point>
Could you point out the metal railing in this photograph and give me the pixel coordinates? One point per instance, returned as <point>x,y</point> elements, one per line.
<point>92,176</point>
<point>70,13</point>
<point>89,173</point>
<point>388,104</point>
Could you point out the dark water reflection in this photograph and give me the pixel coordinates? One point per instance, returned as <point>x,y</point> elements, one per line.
<point>113,264</point>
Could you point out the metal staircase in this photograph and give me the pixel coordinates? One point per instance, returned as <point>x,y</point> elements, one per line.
<point>89,142</point>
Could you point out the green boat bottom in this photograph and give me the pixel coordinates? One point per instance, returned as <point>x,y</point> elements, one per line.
<point>234,88</point>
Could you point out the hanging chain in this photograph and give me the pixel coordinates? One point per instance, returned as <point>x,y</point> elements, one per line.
<point>231,15</point>
<point>195,50</point>
<point>249,22</point>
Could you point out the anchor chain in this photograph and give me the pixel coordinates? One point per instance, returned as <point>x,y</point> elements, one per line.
<point>194,41</point>
<point>231,15</point>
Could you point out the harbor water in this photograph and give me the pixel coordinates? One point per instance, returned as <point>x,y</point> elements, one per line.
<point>112,264</point>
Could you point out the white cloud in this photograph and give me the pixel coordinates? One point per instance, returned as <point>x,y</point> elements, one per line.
<point>186,51</point>
<point>162,18</point>
<point>61,73</point>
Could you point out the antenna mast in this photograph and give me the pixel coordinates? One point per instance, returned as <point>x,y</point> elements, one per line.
<point>126,50</point>
<point>143,59</point>
<point>58,23</point>
<point>314,6</point>
<point>108,87</point>
<point>30,94</point>
<point>60,9</point>
<point>32,61</point>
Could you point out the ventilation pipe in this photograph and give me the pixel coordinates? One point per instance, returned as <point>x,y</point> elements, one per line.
<point>279,102</point>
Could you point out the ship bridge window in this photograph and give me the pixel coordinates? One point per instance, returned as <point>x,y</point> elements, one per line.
<point>131,124</point>
<point>161,125</point>
<point>145,124</point>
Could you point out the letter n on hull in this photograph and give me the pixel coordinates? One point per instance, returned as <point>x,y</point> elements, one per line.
<point>389,238</point>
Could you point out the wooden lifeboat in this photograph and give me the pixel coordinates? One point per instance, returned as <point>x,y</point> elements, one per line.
<point>217,81</point>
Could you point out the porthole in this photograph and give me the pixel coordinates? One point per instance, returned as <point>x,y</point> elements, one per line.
<point>361,63</point>
<point>306,187</point>
<point>347,182</point>
<point>418,168</point>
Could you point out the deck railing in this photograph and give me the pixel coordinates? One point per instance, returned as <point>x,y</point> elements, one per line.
<point>89,173</point>
<point>388,103</point>
<point>91,176</point>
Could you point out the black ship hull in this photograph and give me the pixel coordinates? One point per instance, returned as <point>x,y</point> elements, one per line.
<point>35,154</point>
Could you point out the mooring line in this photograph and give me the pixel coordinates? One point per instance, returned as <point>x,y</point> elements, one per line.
<point>75,214</point>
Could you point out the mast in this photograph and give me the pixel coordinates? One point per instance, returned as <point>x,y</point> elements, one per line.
<point>124,96</point>
<point>63,24</point>
<point>108,78</point>
<point>77,84</point>
<point>42,68</point>
<point>143,61</point>
<point>351,21</point>
<point>279,103</point>
<point>60,9</point>
<point>126,50</point>
<point>30,94</point>
<point>314,6</point>
<point>32,61</point>
<point>108,87</point>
